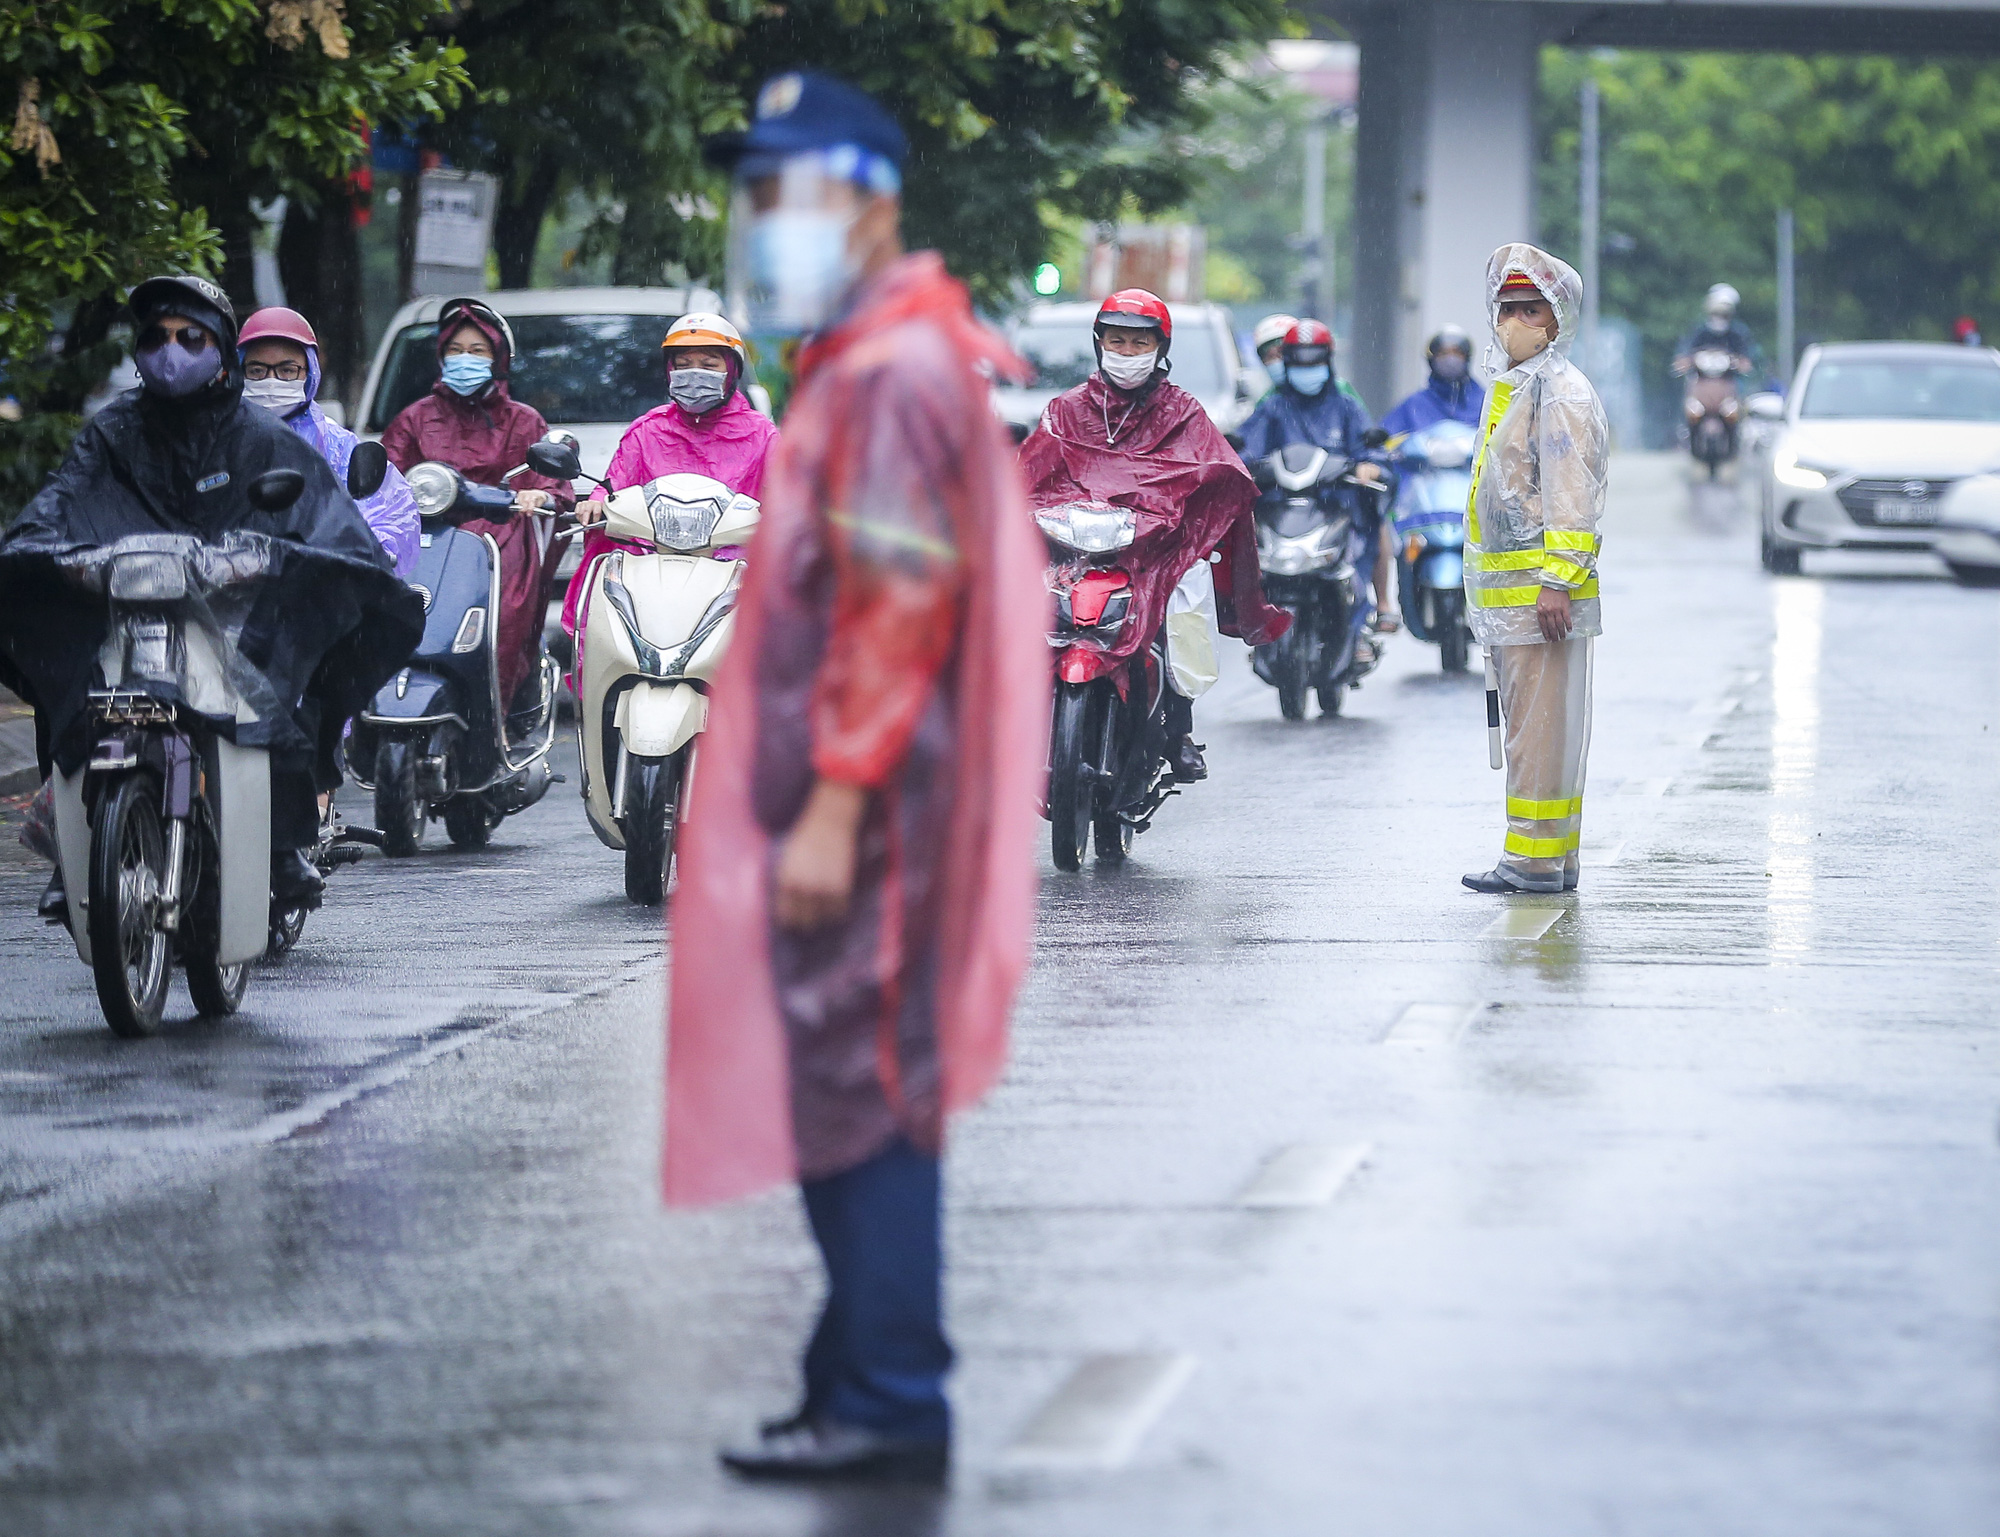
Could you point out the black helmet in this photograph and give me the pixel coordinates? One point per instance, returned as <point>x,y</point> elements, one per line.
<point>1448,339</point>
<point>201,301</point>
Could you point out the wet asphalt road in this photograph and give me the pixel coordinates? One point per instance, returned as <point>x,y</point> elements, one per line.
<point>1680,1218</point>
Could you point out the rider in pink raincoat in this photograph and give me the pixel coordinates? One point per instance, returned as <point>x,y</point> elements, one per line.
<point>707,428</point>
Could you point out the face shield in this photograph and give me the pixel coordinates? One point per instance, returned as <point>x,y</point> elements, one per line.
<point>790,217</point>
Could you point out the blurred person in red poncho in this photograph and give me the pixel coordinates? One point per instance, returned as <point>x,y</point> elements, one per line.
<point>857,886</point>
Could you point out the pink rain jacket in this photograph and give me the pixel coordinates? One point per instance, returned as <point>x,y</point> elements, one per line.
<point>890,634</point>
<point>731,444</point>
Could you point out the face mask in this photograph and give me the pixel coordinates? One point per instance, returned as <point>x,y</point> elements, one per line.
<point>1521,340</point>
<point>799,257</point>
<point>1448,366</point>
<point>698,390</point>
<point>1718,322</point>
<point>1309,381</point>
<point>1276,369</point>
<point>283,396</point>
<point>174,373</point>
<point>467,372</point>
<point>1128,373</point>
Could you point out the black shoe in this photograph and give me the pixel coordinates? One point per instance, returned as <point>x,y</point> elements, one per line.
<point>807,1448</point>
<point>54,906</point>
<point>1491,884</point>
<point>294,881</point>
<point>1189,765</point>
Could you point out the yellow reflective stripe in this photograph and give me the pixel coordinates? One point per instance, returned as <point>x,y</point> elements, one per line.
<point>1542,848</point>
<point>894,535</point>
<point>1523,597</point>
<point>1544,811</point>
<point>1570,539</point>
<point>1564,570</point>
<point>1504,560</point>
<point>1496,407</point>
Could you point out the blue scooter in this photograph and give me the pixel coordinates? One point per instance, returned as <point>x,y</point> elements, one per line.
<point>1435,486</point>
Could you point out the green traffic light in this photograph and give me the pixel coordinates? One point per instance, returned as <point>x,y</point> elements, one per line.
<point>1048,278</point>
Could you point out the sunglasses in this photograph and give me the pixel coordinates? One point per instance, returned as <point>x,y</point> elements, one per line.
<point>291,373</point>
<point>193,339</point>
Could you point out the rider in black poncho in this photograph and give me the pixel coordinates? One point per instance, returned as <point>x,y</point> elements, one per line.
<point>330,624</point>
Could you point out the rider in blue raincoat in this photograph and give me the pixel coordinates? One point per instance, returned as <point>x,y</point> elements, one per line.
<point>1449,395</point>
<point>1309,407</point>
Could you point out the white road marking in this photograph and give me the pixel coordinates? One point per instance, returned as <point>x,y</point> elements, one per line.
<point>1304,1174</point>
<point>1602,856</point>
<point>1431,1024</point>
<point>1098,1417</point>
<point>1647,786</point>
<point>1523,923</point>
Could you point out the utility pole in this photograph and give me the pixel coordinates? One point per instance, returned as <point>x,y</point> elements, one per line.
<point>1590,217</point>
<point>1314,297</point>
<point>1788,298</point>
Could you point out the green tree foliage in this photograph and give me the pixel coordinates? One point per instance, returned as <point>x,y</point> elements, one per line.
<point>141,130</point>
<point>1891,167</point>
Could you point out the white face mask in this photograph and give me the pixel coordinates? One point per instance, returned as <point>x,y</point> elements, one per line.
<point>698,391</point>
<point>1130,373</point>
<point>282,396</point>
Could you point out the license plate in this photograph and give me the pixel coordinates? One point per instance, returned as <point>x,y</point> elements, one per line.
<point>1907,512</point>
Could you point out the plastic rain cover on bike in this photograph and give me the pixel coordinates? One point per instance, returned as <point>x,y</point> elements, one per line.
<point>1538,479</point>
<point>891,632</point>
<point>1192,667</point>
<point>321,612</point>
<point>1162,457</point>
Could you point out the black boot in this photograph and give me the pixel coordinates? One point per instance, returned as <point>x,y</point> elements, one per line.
<point>54,906</point>
<point>811,1448</point>
<point>294,881</point>
<point>1189,765</point>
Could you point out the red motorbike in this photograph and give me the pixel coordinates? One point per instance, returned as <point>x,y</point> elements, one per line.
<point>1108,766</point>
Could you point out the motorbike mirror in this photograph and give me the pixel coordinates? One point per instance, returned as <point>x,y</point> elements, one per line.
<point>1374,437</point>
<point>1767,406</point>
<point>555,459</point>
<point>275,490</point>
<point>367,468</point>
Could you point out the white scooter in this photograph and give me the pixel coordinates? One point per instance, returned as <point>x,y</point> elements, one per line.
<point>655,629</point>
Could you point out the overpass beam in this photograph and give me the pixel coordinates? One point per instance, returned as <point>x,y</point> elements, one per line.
<point>1445,171</point>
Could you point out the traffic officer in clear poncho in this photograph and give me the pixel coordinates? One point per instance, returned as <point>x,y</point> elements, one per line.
<point>1531,560</point>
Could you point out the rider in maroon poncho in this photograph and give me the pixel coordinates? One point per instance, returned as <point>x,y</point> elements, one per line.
<point>1128,436</point>
<point>470,422</point>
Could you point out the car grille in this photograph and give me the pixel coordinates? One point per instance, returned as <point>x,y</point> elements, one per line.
<point>1860,498</point>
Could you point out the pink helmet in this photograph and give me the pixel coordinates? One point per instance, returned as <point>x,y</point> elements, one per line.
<point>286,325</point>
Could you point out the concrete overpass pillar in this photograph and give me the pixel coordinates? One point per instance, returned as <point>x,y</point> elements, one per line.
<point>1445,171</point>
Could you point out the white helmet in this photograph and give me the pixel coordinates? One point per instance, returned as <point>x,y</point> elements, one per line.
<point>1722,300</point>
<point>700,328</point>
<point>1271,328</point>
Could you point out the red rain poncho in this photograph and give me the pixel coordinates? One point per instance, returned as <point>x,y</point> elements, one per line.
<point>1165,459</point>
<point>890,634</point>
<point>729,444</point>
<point>483,438</point>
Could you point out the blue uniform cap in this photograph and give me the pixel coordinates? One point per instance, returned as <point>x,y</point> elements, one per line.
<point>803,112</point>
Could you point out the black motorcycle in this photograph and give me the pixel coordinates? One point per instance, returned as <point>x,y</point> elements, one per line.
<point>438,740</point>
<point>1315,552</point>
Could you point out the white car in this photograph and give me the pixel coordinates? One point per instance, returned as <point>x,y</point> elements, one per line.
<point>589,358</point>
<point>1885,446</point>
<point>1056,341</point>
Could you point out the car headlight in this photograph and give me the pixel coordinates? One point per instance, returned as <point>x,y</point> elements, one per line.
<point>1787,471</point>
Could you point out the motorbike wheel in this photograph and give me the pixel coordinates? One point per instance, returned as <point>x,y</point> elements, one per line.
<point>217,989</point>
<point>1331,697</point>
<point>1454,641</point>
<point>1288,671</point>
<point>653,790</point>
<point>287,924</point>
<point>1110,833</point>
<point>130,954</point>
<point>1072,784</point>
<point>468,822</point>
<point>398,811</point>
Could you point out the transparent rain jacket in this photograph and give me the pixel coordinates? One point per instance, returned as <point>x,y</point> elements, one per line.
<point>1538,481</point>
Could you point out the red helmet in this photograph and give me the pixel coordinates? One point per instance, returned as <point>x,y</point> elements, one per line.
<point>1308,342</point>
<point>276,321</point>
<point>1138,310</point>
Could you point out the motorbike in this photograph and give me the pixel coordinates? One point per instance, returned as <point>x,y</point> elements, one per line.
<point>1434,486</point>
<point>1108,767</point>
<point>655,631</point>
<point>438,741</point>
<point>165,832</point>
<point>1713,407</point>
<point>1314,556</point>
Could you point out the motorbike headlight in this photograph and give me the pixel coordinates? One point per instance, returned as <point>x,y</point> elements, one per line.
<point>683,525</point>
<point>149,577</point>
<point>434,486</point>
<point>1091,528</point>
<point>1444,451</point>
<point>1787,471</point>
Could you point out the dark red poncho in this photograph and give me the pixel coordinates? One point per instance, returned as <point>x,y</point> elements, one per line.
<point>1161,456</point>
